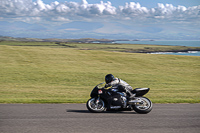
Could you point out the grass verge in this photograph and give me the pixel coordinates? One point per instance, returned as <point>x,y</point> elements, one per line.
<point>52,74</point>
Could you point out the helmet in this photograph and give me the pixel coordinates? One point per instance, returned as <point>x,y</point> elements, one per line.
<point>109,78</point>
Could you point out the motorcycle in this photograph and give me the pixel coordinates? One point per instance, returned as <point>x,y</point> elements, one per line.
<point>113,100</point>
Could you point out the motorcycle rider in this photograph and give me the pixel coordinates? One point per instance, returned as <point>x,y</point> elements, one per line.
<point>119,84</point>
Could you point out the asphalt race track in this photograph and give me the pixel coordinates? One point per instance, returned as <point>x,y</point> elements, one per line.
<point>74,118</point>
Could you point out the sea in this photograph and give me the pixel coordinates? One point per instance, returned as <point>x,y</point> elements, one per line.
<point>190,43</point>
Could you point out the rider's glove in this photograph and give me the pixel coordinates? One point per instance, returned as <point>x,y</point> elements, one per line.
<point>107,85</point>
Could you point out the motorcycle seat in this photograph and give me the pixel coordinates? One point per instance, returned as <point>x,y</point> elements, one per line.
<point>140,89</point>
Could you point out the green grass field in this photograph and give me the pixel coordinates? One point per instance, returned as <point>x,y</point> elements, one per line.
<point>46,73</point>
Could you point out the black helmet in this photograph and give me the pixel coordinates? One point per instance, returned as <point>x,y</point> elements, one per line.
<point>109,78</point>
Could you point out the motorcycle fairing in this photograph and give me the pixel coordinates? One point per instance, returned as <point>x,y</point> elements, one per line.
<point>116,100</point>
<point>110,97</point>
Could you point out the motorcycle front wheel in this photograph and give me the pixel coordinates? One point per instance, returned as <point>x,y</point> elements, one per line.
<point>95,106</point>
<point>143,107</point>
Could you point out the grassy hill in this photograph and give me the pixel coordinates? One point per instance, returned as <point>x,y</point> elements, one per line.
<point>50,73</point>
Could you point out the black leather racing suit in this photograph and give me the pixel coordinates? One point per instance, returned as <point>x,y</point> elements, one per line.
<point>120,85</point>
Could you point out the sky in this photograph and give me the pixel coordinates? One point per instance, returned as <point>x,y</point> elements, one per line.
<point>113,19</point>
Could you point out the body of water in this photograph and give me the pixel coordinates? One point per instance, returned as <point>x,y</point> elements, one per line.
<point>172,43</point>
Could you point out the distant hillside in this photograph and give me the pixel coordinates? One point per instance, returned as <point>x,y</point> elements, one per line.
<point>82,40</point>
<point>6,38</point>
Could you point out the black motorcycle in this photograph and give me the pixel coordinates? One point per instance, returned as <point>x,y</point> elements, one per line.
<point>113,100</point>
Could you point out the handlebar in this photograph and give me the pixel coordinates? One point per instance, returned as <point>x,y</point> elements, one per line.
<point>99,86</point>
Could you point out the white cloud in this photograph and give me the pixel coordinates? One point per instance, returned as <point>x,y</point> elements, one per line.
<point>102,19</point>
<point>74,10</point>
<point>133,8</point>
<point>60,19</point>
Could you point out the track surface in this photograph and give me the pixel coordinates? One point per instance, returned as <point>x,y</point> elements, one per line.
<point>74,118</point>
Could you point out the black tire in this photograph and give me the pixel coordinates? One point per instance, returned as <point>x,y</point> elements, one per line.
<point>143,107</point>
<point>94,107</point>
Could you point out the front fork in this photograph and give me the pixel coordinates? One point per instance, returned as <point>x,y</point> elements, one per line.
<point>97,100</point>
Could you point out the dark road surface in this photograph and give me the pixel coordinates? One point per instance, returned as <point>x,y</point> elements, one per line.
<point>74,118</point>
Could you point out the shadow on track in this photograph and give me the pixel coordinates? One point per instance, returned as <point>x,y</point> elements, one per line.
<point>86,111</point>
<point>78,111</point>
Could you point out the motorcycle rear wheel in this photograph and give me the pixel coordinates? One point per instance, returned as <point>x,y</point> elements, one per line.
<point>95,106</point>
<point>143,107</point>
